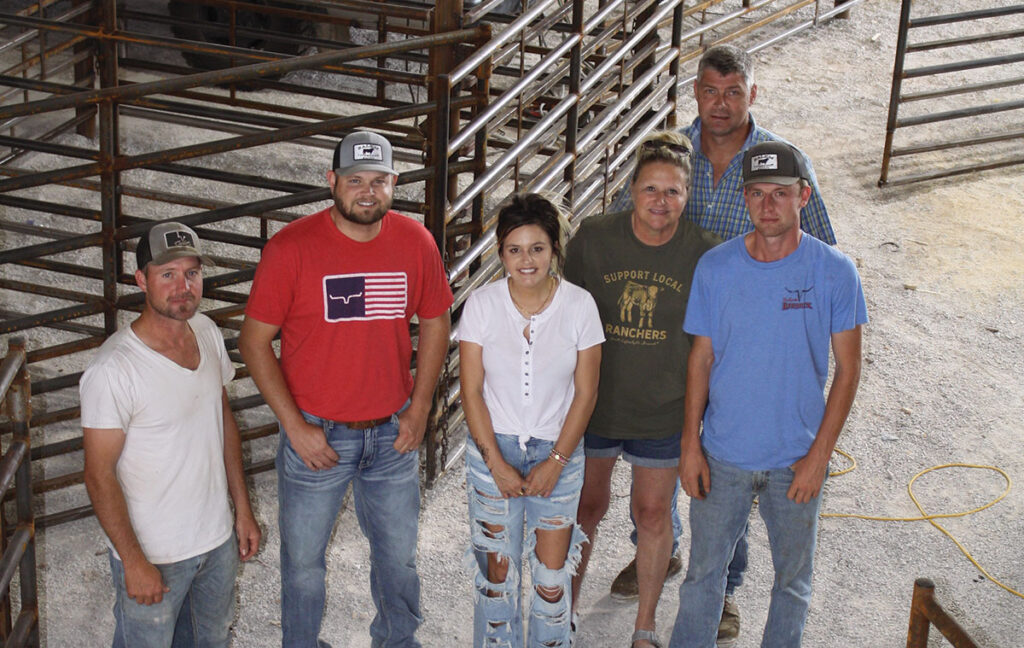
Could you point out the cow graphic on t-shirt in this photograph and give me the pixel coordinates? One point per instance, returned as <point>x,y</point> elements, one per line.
<point>642,296</point>
<point>365,296</point>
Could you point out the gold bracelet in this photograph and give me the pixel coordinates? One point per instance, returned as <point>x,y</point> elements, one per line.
<point>559,457</point>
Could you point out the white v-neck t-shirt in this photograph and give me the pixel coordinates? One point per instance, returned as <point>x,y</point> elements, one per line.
<point>528,384</point>
<point>172,466</point>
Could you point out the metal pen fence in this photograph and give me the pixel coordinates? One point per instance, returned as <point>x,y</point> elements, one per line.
<point>954,112</point>
<point>106,125</point>
<point>17,540</point>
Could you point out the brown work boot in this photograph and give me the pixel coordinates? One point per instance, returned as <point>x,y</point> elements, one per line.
<point>729,626</point>
<point>675,565</point>
<point>625,588</point>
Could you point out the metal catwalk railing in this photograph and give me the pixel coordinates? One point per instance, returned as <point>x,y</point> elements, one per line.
<point>476,104</point>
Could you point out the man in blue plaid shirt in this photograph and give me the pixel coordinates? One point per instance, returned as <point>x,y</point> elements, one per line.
<point>722,131</point>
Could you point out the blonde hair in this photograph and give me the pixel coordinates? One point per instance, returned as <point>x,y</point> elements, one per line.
<point>665,146</point>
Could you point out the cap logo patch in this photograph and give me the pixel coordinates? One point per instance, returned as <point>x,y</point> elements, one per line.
<point>764,162</point>
<point>179,239</point>
<point>367,152</point>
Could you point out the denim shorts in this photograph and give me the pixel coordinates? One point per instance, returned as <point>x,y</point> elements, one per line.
<point>646,453</point>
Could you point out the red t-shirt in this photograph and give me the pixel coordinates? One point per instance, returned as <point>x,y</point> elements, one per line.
<point>344,309</point>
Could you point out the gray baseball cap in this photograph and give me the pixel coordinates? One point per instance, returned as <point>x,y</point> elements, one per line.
<point>775,163</point>
<point>363,151</point>
<point>168,241</point>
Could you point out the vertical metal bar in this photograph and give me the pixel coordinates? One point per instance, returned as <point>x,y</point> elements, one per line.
<point>85,75</point>
<point>677,44</point>
<point>19,405</point>
<point>651,37</point>
<point>573,116</point>
<point>446,16</point>
<point>520,108</point>
<point>232,40</point>
<point>625,33</point>
<point>449,61</point>
<point>703,20</point>
<point>42,37</point>
<point>483,94</point>
<point>18,401</point>
<point>917,633</point>
<point>382,60</point>
<point>894,95</point>
<point>5,601</point>
<point>110,179</point>
<point>25,96</point>
<point>436,211</point>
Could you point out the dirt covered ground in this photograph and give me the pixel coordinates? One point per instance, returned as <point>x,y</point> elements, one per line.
<point>943,269</point>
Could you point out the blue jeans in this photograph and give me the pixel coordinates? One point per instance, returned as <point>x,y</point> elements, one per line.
<point>716,525</point>
<point>386,490</point>
<point>197,611</point>
<point>498,619</point>
<point>737,565</point>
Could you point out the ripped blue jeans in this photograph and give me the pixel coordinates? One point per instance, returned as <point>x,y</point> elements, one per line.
<point>498,608</point>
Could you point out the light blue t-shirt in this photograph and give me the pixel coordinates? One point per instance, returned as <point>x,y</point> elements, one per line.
<point>770,326</point>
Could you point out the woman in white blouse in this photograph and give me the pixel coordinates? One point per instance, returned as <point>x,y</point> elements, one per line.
<point>530,348</point>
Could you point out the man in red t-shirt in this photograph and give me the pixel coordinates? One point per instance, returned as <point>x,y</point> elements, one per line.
<point>341,286</point>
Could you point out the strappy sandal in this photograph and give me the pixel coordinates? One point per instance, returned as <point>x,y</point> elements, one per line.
<point>645,635</point>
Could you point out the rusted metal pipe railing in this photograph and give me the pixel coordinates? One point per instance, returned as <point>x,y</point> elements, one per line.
<point>925,612</point>
<point>599,80</point>
<point>18,543</point>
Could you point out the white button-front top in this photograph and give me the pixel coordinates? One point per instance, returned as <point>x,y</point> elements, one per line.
<point>532,401</point>
<point>525,368</point>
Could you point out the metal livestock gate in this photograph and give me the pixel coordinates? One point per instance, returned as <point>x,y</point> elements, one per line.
<point>222,115</point>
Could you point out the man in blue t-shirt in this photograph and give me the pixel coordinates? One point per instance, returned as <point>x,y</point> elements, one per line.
<point>764,310</point>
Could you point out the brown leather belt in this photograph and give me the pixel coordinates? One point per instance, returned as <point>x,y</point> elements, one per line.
<point>365,425</point>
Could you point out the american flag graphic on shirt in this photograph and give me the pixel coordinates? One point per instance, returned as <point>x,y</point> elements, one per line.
<point>367,296</point>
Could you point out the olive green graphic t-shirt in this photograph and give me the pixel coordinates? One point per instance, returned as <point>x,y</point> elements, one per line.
<point>641,293</point>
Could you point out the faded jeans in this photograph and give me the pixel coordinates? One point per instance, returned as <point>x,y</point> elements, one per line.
<point>197,611</point>
<point>498,620</point>
<point>386,491</point>
<point>716,524</point>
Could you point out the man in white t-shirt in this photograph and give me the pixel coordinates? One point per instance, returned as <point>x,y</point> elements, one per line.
<point>163,455</point>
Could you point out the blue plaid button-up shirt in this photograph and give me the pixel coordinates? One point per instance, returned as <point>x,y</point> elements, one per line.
<point>720,208</point>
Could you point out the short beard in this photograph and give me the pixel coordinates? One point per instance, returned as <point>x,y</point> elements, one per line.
<point>181,312</point>
<point>366,219</point>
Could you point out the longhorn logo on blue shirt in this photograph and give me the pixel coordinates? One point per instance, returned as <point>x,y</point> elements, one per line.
<point>367,296</point>
<point>797,299</point>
